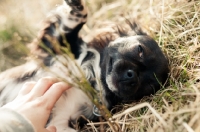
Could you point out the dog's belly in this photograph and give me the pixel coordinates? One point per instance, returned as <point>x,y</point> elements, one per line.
<point>72,104</point>
<point>9,92</point>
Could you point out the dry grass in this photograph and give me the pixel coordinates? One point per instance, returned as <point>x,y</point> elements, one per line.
<point>174,24</point>
<point>19,23</point>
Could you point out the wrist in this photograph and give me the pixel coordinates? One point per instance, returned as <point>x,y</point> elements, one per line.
<point>14,121</point>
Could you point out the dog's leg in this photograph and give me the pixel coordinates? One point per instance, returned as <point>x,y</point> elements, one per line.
<point>63,23</point>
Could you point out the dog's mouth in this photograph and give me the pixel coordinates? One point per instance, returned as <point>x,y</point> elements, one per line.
<point>130,83</point>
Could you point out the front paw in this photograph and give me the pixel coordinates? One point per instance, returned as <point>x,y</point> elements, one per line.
<point>75,4</point>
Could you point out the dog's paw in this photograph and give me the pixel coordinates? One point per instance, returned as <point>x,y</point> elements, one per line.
<point>75,4</point>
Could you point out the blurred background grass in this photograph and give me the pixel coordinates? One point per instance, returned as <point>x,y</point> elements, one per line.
<point>19,23</point>
<point>174,24</point>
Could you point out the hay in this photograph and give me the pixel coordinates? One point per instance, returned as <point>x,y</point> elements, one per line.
<point>175,25</point>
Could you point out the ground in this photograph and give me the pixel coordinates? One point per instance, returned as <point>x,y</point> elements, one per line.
<point>174,24</point>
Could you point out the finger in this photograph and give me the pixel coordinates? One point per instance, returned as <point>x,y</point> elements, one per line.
<point>42,86</point>
<point>51,128</point>
<point>26,88</point>
<point>54,93</point>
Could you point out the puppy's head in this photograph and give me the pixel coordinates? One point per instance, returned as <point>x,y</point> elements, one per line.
<point>134,66</point>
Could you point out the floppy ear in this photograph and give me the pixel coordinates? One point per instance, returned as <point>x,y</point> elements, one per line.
<point>135,27</point>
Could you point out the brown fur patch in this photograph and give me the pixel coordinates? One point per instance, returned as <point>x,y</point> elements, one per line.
<point>103,39</point>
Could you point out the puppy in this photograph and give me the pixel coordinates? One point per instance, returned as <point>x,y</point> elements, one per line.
<point>122,65</point>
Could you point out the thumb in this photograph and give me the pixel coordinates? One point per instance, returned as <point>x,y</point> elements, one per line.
<point>51,129</point>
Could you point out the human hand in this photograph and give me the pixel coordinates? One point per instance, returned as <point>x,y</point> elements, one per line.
<point>36,100</point>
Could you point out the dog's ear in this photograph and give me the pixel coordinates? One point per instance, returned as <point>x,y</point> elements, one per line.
<point>102,40</point>
<point>135,27</point>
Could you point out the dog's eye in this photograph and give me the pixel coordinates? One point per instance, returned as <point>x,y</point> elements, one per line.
<point>140,51</point>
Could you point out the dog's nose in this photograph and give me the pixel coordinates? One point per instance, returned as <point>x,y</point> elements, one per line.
<point>128,75</point>
<point>129,79</point>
